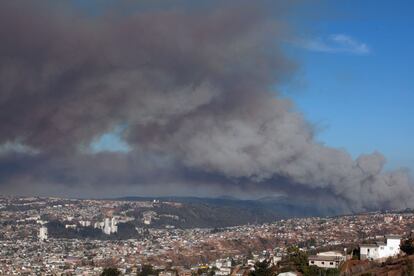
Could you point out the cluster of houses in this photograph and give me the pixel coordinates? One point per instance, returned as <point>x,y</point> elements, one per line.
<point>377,251</point>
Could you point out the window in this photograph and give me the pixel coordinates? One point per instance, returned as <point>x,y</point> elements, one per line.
<point>312,262</point>
<point>323,262</point>
<point>331,263</point>
<point>391,248</point>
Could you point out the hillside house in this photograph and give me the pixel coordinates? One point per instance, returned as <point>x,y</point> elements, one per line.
<point>330,259</point>
<point>381,250</point>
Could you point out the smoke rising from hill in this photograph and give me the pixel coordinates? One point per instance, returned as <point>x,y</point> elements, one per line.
<point>193,90</point>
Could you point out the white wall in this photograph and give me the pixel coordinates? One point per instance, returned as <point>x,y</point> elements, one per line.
<point>325,264</point>
<point>392,248</point>
<point>369,252</point>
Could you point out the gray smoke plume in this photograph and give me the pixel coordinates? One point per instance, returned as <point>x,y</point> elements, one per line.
<point>192,89</point>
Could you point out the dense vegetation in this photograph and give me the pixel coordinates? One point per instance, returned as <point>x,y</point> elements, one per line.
<point>222,212</point>
<point>147,270</point>
<point>110,271</point>
<point>407,246</point>
<point>263,269</point>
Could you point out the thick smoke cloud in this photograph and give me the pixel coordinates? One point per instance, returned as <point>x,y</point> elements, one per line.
<point>194,91</point>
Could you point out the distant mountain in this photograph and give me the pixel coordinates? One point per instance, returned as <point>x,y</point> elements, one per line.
<point>224,211</point>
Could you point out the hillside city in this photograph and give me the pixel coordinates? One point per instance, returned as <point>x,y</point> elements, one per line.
<point>54,236</point>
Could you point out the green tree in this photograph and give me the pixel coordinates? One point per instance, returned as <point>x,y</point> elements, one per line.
<point>332,272</point>
<point>407,246</point>
<point>298,258</point>
<point>262,269</point>
<point>356,254</point>
<point>317,271</point>
<point>312,271</point>
<point>211,272</point>
<point>202,270</point>
<point>110,271</point>
<point>147,270</point>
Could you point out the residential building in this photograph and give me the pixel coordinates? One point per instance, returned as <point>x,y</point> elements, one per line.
<point>330,259</point>
<point>43,233</point>
<point>381,250</point>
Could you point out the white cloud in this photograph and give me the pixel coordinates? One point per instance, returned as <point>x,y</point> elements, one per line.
<point>17,147</point>
<point>336,43</point>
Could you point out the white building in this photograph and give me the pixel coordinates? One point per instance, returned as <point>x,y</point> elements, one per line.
<point>167,273</point>
<point>71,226</point>
<point>114,225</point>
<point>107,226</point>
<point>99,225</point>
<point>110,226</point>
<point>330,259</point>
<point>275,260</point>
<point>223,271</point>
<point>85,223</point>
<point>42,233</point>
<point>290,273</point>
<point>223,263</point>
<point>381,250</point>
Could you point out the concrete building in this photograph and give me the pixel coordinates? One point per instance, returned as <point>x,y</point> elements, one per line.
<point>381,250</point>
<point>99,225</point>
<point>224,271</point>
<point>223,263</point>
<point>114,225</point>
<point>71,226</point>
<point>110,226</point>
<point>167,273</point>
<point>85,223</point>
<point>107,226</point>
<point>43,233</point>
<point>275,260</point>
<point>330,259</point>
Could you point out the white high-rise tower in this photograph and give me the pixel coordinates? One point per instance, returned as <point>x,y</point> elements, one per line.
<point>107,226</point>
<point>42,233</point>
<point>114,226</point>
<point>110,226</point>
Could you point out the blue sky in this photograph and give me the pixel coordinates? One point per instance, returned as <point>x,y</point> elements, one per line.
<point>359,92</point>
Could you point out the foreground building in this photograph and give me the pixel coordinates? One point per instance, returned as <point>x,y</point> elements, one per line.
<point>381,250</point>
<point>330,259</point>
